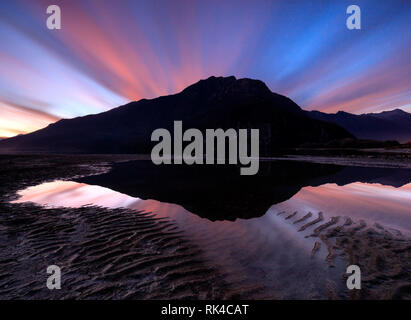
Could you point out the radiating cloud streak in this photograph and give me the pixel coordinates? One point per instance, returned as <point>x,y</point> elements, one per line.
<point>110,52</point>
<point>16,119</point>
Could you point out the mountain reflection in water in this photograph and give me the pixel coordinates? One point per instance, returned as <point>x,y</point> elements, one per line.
<point>219,192</point>
<point>271,249</point>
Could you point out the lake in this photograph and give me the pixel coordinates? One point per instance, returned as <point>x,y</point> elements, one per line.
<point>290,231</point>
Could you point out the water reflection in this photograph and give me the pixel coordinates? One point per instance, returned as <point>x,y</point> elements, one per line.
<point>260,251</point>
<point>373,202</point>
<point>267,250</point>
<point>220,193</point>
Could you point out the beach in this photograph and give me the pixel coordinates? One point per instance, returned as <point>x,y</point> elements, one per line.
<point>113,245</point>
<point>103,254</point>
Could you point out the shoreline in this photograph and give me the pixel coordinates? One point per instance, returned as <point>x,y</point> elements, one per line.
<point>96,248</point>
<point>125,254</point>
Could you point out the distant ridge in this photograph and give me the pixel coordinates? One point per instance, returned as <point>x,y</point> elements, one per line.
<point>386,125</point>
<point>217,102</point>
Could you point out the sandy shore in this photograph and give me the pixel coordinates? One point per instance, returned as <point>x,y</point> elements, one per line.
<point>103,254</point>
<point>128,254</point>
<point>384,254</point>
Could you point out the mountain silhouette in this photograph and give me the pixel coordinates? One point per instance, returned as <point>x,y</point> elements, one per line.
<point>217,102</point>
<point>387,125</point>
<point>220,193</point>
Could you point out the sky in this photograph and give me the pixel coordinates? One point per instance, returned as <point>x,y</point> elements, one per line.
<point>108,53</point>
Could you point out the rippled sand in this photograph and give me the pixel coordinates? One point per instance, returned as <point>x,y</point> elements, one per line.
<point>384,254</point>
<point>103,254</point>
<point>159,251</point>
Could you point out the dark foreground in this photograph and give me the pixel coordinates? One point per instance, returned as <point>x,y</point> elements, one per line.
<point>124,254</point>
<point>103,254</point>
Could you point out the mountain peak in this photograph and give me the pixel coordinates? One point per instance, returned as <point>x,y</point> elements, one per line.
<point>396,111</point>
<point>343,113</point>
<point>392,114</point>
<point>385,125</point>
<point>228,86</point>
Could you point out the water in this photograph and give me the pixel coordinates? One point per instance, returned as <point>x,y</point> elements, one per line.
<point>250,244</point>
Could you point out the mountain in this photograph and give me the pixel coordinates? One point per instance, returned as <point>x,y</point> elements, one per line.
<point>220,193</point>
<point>387,125</point>
<point>217,102</point>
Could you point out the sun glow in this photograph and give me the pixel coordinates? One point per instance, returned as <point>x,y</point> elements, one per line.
<point>109,53</point>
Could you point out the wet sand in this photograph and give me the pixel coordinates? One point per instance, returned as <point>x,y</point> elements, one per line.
<point>129,253</point>
<point>103,253</point>
<point>384,254</point>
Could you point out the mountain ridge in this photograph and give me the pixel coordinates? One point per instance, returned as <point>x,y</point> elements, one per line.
<point>386,125</point>
<point>216,102</point>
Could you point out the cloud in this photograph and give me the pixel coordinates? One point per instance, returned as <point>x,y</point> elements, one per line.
<point>108,53</point>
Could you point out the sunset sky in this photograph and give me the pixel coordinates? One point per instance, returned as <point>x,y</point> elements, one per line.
<point>111,52</point>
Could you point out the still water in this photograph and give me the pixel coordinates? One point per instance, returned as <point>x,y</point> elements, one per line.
<point>268,250</point>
